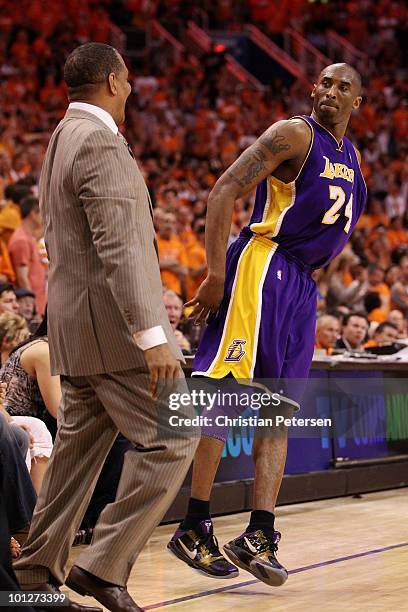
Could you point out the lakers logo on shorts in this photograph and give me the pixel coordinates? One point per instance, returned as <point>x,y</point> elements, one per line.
<point>235,352</point>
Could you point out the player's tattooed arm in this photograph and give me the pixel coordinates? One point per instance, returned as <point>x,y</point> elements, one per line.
<point>275,142</point>
<point>285,140</point>
<point>248,167</point>
<point>262,158</point>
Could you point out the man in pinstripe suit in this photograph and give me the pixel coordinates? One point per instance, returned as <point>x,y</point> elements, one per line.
<point>110,340</point>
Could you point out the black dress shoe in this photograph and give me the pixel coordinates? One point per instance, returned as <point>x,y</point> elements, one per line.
<point>68,606</point>
<point>112,596</point>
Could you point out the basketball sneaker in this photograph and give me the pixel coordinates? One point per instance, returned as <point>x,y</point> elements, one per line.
<point>255,553</point>
<point>198,548</point>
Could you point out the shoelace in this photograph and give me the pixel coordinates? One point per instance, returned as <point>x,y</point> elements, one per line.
<point>271,543</point>
<point>210,545</point>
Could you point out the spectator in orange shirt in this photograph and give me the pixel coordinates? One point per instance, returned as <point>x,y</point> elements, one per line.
<point>172,254</point>
<point>7,274</point>
<point>375,280</point>
<point>197,264</point>
<point>25,254</point>
<point>377,214</point>
<point>373,306</point>
<point>10,213</point>
<point>327,333</point>
<point>185,231</point>
<point>396,233</point>
<point>386,333</point>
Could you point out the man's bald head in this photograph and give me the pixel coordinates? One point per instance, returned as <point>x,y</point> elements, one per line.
<point>335,95</point>
<point>349,73</point>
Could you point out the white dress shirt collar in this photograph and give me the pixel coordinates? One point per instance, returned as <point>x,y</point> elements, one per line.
<point>99,112</point>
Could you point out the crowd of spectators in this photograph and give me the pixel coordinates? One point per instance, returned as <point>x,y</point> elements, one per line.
<point>186,128</point>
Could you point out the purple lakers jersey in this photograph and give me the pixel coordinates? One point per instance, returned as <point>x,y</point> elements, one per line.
<point>313,216</point>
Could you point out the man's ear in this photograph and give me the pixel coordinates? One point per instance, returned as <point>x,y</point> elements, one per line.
<point>312,95</point>
<point>357,102</point>
<point>112,84</point>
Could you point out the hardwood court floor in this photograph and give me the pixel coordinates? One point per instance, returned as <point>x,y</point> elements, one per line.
<point>343,554</point>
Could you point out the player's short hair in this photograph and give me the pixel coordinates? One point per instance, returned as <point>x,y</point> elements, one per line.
<point>356,74</point>
<point>27,205</point>
<point>88,66</point>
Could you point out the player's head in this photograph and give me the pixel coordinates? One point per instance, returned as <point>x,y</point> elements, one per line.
<point>96,73</point>
<point>336,94</point>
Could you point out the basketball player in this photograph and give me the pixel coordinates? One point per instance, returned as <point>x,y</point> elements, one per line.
<point>262,299</point>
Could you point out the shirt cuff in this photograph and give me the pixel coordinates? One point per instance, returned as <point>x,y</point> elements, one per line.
<point>148,338</point>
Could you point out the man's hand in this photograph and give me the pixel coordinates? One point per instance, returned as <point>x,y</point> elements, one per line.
<point>207,299</point>
<point>164,368</point>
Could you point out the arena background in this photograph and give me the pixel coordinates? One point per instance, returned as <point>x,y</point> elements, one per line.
<point>207,79</point>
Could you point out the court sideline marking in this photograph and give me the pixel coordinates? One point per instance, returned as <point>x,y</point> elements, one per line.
<point>298,570</point>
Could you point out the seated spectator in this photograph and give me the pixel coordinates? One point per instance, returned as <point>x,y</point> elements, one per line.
<point>17,501</point>
<point>354,332</point>
<point>8,299</point>
<point>33,392</point>
<point>13,330</point>
<point>327,333</point>
<point>373,307</point>
<point>348,284</point>
<point>172,254</point>
<point>399,291</point>
<point>7,274</point>
<point>392,275</point>
<point>26,307</point>
<point>384,341</point>
<point>397,317</point>
<point>396,233</point>
<point>25,255</point>
<point>174,307</point>
<point>10,213</point>
<point>386,333</point>
<point>379,250</point>
<point>376,284</point>
<point>197,263</point>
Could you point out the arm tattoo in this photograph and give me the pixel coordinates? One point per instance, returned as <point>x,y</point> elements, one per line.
<point>274,142</point>
<point>251,167</point>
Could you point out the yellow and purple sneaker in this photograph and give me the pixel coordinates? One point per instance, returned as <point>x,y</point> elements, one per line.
<point>255,553</point>
<point>198,548</point>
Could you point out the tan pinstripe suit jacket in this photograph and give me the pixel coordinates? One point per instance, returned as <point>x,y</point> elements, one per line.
<point>104,280</point>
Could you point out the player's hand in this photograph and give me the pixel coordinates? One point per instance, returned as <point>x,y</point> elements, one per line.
<point>207,299</point>
<point>164,368</point>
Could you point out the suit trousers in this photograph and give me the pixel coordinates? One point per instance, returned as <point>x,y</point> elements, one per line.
<point>93,410</point>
